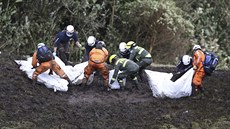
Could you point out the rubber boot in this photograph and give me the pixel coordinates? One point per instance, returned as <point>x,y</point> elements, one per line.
<point>135,83</point>
<point>201,88</point>
<point>142,75</point>
<point>122,85</point>
<point>106,84</point>
<point>84,81</point>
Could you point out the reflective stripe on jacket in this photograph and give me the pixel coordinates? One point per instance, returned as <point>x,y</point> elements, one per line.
<point>139,53</point>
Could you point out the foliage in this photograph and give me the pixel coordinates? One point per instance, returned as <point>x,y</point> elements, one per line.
<point>157,25</point>
<point>164,27</point>
<point>211,20</point>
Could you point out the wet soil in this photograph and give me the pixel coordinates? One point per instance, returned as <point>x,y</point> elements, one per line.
<point>24,106</point>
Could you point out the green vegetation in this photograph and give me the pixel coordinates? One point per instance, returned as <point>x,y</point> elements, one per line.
<point>166,28</point>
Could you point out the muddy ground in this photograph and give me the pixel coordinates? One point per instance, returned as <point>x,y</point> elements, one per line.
<point>24,106</point>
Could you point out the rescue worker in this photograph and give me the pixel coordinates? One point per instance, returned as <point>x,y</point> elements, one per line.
<point>127,68</point>
<point>91,43</point>
<point>183,66</point>
<point>44,57</point>
<point>62,43</point>
<point>123,52</point>
<point>198,59</point>
<point>184,63</point>
<point>141,56</point>
<point>97,59</point>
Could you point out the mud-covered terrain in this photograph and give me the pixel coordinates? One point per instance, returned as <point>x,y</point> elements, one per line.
<point>24,106</point>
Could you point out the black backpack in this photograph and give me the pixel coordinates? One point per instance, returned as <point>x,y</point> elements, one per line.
<point>44,54</point>
<point>210,62</point>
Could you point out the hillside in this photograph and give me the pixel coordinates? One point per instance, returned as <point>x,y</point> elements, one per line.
<point>23,106</point>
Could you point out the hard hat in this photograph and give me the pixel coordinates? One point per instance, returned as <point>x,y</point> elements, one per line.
<point>103,43</point>
<point>130,44</point>
<point>186,59</point>
<point>41,45</point>
<point>122,47</point>
<point>69,30</point>
<point>195,47</point>
<point>91,40</point>
<point>111,58</point>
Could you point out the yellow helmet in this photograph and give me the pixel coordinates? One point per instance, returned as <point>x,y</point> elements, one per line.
<point>130,44</point>
<point>111,58</point>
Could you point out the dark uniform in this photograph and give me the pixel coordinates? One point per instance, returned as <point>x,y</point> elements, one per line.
<point>181,69</point>
<point>142,57</point>
<point>62,42</point>
<point>125,54</point>
<point>127,68</point>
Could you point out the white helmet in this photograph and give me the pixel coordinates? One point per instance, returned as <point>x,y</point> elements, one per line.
<point>195,47</point>
<point>91,40</point>
<point>186,59</point>
<point>41,45</point>
<point>122,47</point>
<point>69,30</point>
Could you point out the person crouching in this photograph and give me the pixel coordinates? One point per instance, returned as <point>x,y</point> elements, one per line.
<point>97,62</point>
<point>44,57</point>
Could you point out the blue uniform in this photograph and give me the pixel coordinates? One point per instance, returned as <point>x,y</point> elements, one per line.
<point>62,38</point>
<point>62,43</point>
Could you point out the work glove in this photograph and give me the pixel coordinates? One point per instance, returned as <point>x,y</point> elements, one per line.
<point>103,43</point>
<point>34,67</point>
<point>54,53</point>
<point>51,72</point>
<point>78,45</point>
<point>111,82</point>
<point>194,67</point>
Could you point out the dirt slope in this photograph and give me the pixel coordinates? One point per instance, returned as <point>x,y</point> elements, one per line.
<point>23,106</point>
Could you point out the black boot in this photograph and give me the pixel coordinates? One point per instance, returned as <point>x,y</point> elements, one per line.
<point>106,85</point>
<point>84,81</point>
<point>143,75</point>
<point>136,83</point>
<point>122,85</point>
<point>201,88</point>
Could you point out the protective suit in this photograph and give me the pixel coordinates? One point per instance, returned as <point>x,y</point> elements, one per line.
<point>45,65</point>
<point>198,59</point>
<point>97,59</point>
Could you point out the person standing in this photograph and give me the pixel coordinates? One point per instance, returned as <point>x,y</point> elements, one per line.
<point>97,59</point>
<point>44,57</point>
<point>62,43</point>
<point>198,59</point>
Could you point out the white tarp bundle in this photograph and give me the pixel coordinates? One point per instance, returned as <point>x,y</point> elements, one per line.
<point>75,74</point>
<point>54,81</point>
<point>162,86</point>
<point>159,82</point>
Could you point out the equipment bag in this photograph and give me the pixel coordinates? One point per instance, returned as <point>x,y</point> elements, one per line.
<point>44,54</point>
<point>210,62</point>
